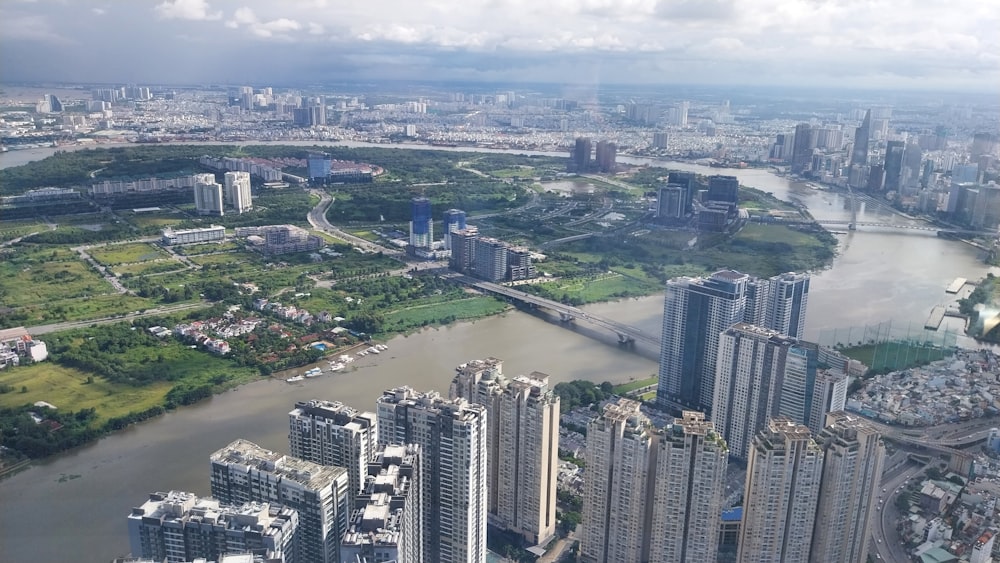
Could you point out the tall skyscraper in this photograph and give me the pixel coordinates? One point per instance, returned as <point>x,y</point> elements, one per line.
<point>452,438</point>
<point>386,524</point>
<point>177,527</point>
<point>852,472</point>
<point>318,165</point>
<point>454,220</point>
<point>779,303</point>
<point>893,165</point>
<point>804,143</point>
<point>463,249</point>
<point>688,181</point>
<point>670,202</point>
<point>330,433</point>
<point>581,155</point>
<point>859,154</point>
<point>422,224</point>
<point>807,391</point>
<point>605,156</point>
<point>523,445</point>
<point>208,198</point>
<point>784,472</point>
<point>723,188</point>
<point>689,492</point>
<point>695,312</point>
<point>751,361</point>
<point>244,472</point>
<point>237,193</point>
<point>246,98</point>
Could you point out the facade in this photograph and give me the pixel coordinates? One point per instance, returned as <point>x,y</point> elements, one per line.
<point>581,154</point>
<point>490,259</point>
<point>779,303</point>
<point>244,472</point>
<point>695,312</point>
<point>318,165</point>
<point>422,225</point>
<point>689,491</point>
<point>605,156</point>
<point>809,392</point>
<point>177,526</point>
<point>784,472</point>
<point>723,188</point>
<point>208,199</point>
<point>852,472</point>
<point>859,154</point>
<point>749,369</point>
<point>330,433</point>
<point>523,446</point>
<point>238,195</point>
<point>111,188</point>
<point>893,165</point>
<point>463,249</point>
<point>454,220</point>
<point>191,236</point>
<point>451,435</point>
<point>802,148</point>
<point>385,524</point>
<point>670,202</point>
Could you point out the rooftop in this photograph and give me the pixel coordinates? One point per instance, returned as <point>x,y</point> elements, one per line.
<point>306,473</point>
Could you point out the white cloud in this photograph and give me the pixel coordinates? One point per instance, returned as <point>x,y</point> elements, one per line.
<point>279,27</point>
<point>316,29</point>
<point>197,10</point>
<point>25,27</point>
<point>99,11</point>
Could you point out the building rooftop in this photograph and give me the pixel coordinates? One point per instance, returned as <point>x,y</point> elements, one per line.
<point>306,473</point>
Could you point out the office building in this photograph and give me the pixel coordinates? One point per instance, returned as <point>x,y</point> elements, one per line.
<point>695,312</point>
<point>852,472</point>
<point>688,181</point>
<point>522,433</point>
<point>177,526</point>
<point>581,155</point>
<point>808,392</point>
<point>244,472</point>
<point>452,439</point>
<point>331,433</point>
<point>723,188</point>
<point>454,220</point>
<point>208,199</point>
<point>893,165</point>
<point>802,149</point>
<point>214,233</point>
<point>965,174</point>
<point>749,368</point>
<point>784,472</point>
<point>385,524</point>
<point>912,158</point>
<point>237,193</point>
<point>605,156</point>
<point>876,178</point>
<point>318,166</point>
<point>689,491</point>
<point>422,224</point>
<point>670,202</point>
<point>661,140</point>
<point>859,153</point>
<point>779,303</point>
<point>463,249</point>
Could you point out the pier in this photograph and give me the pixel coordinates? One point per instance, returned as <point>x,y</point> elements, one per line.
<point>935,318</point>
<point>956,285</point>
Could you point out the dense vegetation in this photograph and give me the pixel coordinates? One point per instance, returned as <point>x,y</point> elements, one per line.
<point>581,392</point>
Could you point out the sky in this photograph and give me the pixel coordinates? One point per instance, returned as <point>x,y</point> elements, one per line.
<point>949,45</point>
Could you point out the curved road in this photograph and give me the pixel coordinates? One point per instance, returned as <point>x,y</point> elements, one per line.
<point>317,218</point>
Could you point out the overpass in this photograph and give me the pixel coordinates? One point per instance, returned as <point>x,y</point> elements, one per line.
<point>627,334</point>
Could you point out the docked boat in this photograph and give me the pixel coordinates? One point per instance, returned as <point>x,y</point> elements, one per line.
<point>296,378</point>
<point>381,347</point>
<point>337,367</point>
<point>373,350</point>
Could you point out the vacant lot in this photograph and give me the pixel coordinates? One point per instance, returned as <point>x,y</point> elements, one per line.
<point>441,312</point>
<point>114,254</point>
<point>146,268</point>
<point>10,230</point>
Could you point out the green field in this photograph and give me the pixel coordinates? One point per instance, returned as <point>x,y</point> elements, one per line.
<point>593,288</point>
<point>237,259</point>
<point>525,172</point>
<point>147,268</point>
<point>157,221</point>
<point>633,385</point>
<point>892,356</point>
<point>442,312</point>
<point>12,229</point>
<point>207,248</point>
<point>33,277</point>
<point>114,254</point>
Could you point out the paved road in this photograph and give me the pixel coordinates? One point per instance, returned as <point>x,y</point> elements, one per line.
<point>317,218</point>
<point>886,542</point>
<point>165,310</point>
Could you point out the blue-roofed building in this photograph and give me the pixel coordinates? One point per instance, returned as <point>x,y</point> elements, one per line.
<point>729,533</point>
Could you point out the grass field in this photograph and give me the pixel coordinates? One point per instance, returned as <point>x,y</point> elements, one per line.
<point>228,258</point>
<point>45,282</point>
<point>114,254</point>
<point>633,385</point>
<point>600,287</point>
<point>146,268</point>
<point>156,221</point>
<point>10,230</point>
<point>526,172</point>
<point>444,312</point>
<point>207,248</point>
<point>891,356</point>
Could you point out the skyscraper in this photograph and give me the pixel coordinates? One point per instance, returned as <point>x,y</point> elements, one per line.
<point>695,312</point>
<point>605,156</point>
<point>422,225</point>
<point>581,155</point>
<point>237,193</point>
<point>852,472</point>
<point>244,472</point>
<point>522,439</point>
<point>463,249</point>
<point>784,472</point>
<point>859,154</point>
<point>807,391</point>
<point>454,220</point>
<point>208,198</point>
<point>452,438</point>
<point>688,181</point>
<point>723,188</point>
<point>331,433</point>
<point>689,491</point>
<point>318,165</point>
<point>779,303</point>
<point>804,143</point>
<point>893,165</point>
<point>749,368</point>
<point>670,202</point>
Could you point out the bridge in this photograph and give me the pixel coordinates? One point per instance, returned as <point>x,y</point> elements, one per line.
<point>852,225</point>
<point>627,334</point>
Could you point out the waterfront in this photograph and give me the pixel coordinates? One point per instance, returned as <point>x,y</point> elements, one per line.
<point>73,506</point>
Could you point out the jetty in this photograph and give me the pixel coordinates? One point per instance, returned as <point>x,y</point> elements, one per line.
<point>956,286</point>
<point>935,318</point>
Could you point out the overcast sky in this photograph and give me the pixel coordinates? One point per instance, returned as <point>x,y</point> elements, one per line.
<point>904,44</point>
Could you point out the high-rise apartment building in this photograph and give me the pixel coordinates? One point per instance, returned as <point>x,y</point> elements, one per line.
<point>454,220</point>
<point>749,369</point>
<point>244,472</point>
<point>670,202</point>
<point>422,223</point>
<point>689,491</point>
<point>208,198</point>
<point>723,188</point>
<point>802,149</point>
<point>893,165</point>
<point>237,192</point>
<point>808,391</point>
<point>859,154</point>
<point>490,259</point>
<point>463,249</point>
<point>177,526</point>
<point>695,312</point>
<point>331,433</point>
<point>581,155</point>
<point>605,156</point>
<point>779,303</point>
<point>523,445</point>
<point>852,471</point>
<point>385,524</point>
<point>784,473</point>
<point>452,438</point>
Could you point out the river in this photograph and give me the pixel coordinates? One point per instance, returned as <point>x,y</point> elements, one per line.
<point>73,506</point>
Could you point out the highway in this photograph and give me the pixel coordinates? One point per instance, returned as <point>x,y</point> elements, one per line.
<point>317,218</point>
<point>886,541</point>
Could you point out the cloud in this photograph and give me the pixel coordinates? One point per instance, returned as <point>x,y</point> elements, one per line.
<point>316,29</point>
<point>99,11</point>
<point>27,27</point>
<point>279,27</point>
<point>197,10</point>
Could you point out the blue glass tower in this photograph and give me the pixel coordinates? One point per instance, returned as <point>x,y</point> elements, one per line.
<point>421,227</point>
<point>454,220</point>
<point>318,165</point>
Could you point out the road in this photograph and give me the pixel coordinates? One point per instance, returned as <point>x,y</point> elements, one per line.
<point>886,542</point>
<point>165,310</point>
<point>317,218</point>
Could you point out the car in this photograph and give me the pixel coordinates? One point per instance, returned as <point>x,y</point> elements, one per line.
<point>883,489</point>
<point>880,540</point>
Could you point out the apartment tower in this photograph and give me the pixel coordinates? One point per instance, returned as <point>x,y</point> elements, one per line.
<point>237,192</point>
<point>208,198</point>
<point>331,433</point>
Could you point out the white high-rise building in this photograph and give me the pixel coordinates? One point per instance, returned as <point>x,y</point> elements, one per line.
<point>779,303</point>
<point>749,368</point>
<point>452,438</point>
<point>784,473</point>
<point>208,198</point>
<point>238,191</point>
<point>689,492</point>
<point>523,440</point>
<point>244,472</point>
<point>851,476</point>
<point>330,433</point>
<point>808,392</point>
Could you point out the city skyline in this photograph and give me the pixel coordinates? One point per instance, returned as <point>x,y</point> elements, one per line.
<point>768,42</point>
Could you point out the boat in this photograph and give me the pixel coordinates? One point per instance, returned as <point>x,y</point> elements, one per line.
<point>362,353</point>
<point>337,367</point>
<point>345,359</point>
<point>313,372</point>
<point>382,347</point>
<point>294,379</point>
<point>373,350</point>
